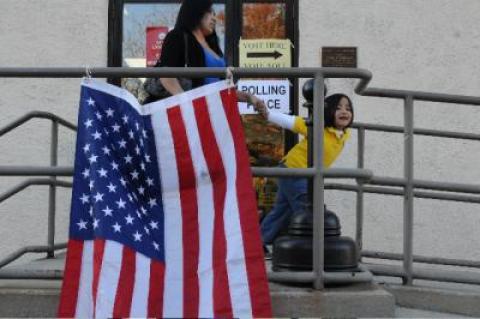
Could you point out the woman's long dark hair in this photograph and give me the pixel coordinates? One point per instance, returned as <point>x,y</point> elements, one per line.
<point>331,104</point>
<point>189,18</point>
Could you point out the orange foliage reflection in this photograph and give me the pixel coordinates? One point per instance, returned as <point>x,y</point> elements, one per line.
<point>263,20</point>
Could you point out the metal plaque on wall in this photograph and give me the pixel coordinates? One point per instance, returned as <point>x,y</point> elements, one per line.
<point>345,57</point>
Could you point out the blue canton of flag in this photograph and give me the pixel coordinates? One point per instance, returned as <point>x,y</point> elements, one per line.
<point>116,189</point>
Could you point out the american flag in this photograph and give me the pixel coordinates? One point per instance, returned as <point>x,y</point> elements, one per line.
<point>163,215</point>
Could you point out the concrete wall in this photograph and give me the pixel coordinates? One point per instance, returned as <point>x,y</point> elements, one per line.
<point>426,45</point>
<point>42,33</point>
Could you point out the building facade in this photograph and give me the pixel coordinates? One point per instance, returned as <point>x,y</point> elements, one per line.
<point>425,45</point>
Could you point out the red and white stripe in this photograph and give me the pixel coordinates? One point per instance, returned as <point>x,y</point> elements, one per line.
<point>106,279</point>
<point>211,226</point>
<point>213,259</point>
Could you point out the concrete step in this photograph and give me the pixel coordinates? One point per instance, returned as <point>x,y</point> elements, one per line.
<point>454,298</point>
<point>39,298</point>
<point>29,298</point>
<point>352,301</point>
<point>402,312</point>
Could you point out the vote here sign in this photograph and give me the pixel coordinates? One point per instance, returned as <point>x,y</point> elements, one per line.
<point>265,53</point>
<point>275,93</point>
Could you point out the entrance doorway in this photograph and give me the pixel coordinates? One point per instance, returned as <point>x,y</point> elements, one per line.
<point>136,28</point>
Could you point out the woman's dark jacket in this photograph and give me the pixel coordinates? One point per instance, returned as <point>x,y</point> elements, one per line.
<point>173,53</point>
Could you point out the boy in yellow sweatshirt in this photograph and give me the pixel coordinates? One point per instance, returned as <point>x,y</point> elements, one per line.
<point>292,192</point>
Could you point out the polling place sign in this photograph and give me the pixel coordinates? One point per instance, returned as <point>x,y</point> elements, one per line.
<point>275,93</point>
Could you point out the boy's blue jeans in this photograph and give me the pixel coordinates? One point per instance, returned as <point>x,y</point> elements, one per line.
<point>291,198</point>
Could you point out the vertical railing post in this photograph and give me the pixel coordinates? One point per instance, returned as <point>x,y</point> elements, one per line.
<point>52,191</point>
<point>360,164</point>
<point>318,183</point>
<point>408,193</point>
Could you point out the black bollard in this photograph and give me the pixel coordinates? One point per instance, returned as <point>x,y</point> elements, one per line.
<point>293,252</point>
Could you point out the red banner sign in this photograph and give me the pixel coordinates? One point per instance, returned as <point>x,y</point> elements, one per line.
<point>155,37</point>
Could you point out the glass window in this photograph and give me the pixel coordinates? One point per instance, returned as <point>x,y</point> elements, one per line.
<point>144,27</point>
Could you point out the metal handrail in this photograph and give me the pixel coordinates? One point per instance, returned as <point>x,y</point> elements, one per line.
<point>399,192</point>
<point>36,114</point>
<point>118,72</point>
<point>29,182</point>
<point>29,249</point>
<point>423,259</point>
<point>408,183</point>
<point>420,96</point>
<point>17,170</point>
<point>466,277</point>
<point>198,72</point>
<point>417,183</point>
<point>417,131</point>
<point>22,171</point>
<point>363,174</point>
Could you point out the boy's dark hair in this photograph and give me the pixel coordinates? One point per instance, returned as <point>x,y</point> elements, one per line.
<point>331,104</point>
<point>189,17</point>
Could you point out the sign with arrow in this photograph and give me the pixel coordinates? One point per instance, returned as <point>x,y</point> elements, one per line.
<point>275,54</point>
<point>265,53</point>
